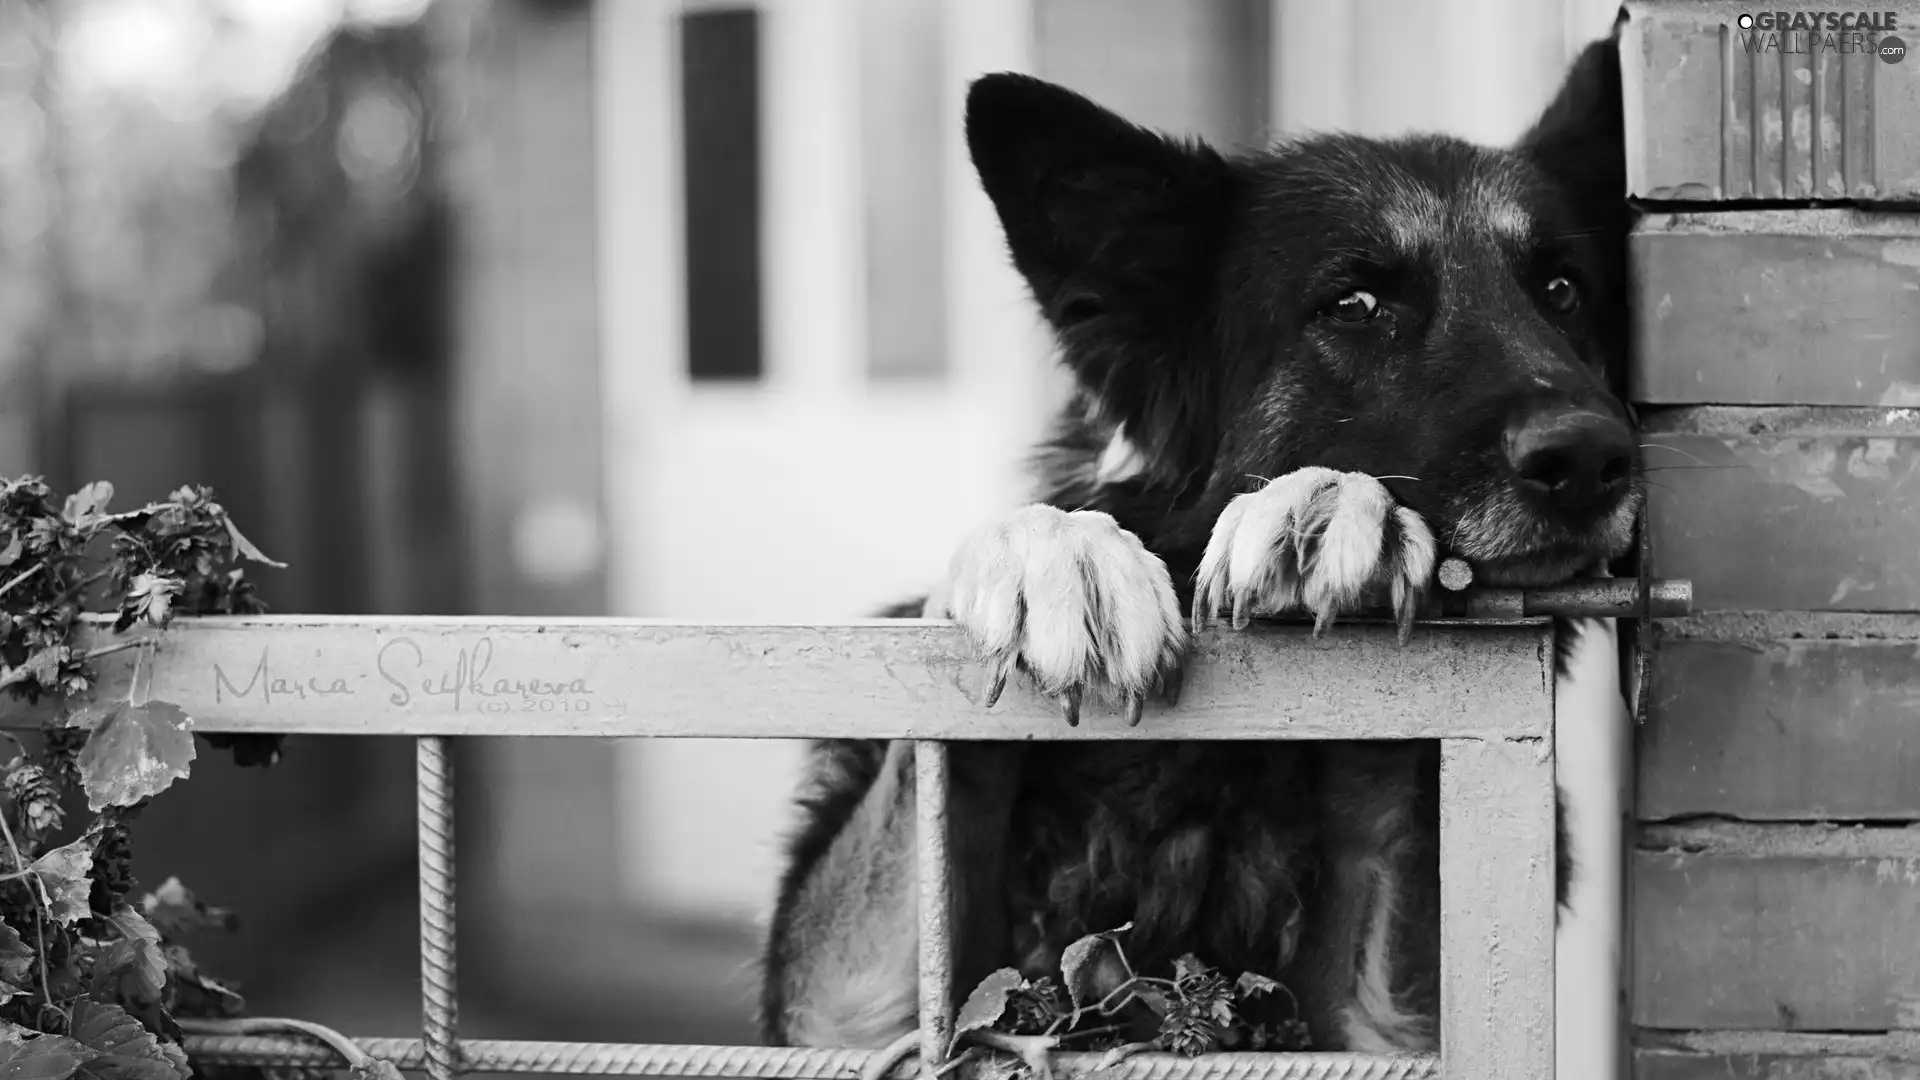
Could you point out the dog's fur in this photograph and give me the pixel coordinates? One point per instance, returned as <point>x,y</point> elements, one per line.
<point>1249,436</point>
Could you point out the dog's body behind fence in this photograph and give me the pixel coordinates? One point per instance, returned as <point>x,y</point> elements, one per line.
<point>1302,375</point>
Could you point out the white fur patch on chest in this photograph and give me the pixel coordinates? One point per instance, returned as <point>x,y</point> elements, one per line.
<point>1121,460</point>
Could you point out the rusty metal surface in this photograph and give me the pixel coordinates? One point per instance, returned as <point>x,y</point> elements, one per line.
<point>1615,598</point>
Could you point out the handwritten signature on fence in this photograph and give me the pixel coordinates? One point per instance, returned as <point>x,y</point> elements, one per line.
<point>409,676</point>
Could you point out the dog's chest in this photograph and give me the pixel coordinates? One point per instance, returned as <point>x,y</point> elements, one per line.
<point>1204,848</point>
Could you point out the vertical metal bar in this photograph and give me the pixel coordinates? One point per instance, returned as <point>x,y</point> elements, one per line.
<point>1496,908</point>
<point>930,768</point>
<point>439,1004</point>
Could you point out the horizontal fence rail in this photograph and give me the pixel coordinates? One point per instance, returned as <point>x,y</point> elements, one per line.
<point>1479,677</point>
<point>784,1063</point>
<point>893,679</point>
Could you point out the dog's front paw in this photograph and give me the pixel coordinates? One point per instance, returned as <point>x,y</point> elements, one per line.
<point>1072,599</point>
<point>1316,539</point>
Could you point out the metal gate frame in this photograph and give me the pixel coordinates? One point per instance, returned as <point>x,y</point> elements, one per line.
<point>1482,684</point>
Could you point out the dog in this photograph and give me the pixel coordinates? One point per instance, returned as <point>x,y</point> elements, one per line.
<point>1303,376</point>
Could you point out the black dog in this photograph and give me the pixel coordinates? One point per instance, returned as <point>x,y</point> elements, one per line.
<point>1304,376</point>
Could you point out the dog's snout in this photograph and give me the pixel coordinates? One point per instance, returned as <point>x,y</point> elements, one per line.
<point>1572,460</point>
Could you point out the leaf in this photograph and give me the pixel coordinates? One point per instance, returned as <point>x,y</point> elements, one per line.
<point>195,993</point>
<point>11,553</point>
<point>88,503</point>
<point>16,963</point>
<point>1188,967</point>
<point>1252,985</point>
<point>988,1001</point>
<point>245,546</point>
<point>1152,998</point>
<point>175,910</point>
<point>64,881</point>
<point>1074,963</point>
<point>123,1049</point>
<point>48,1057</point>
<point>376,1069</point>
<point>177,1058</point>
<point>43,667</point>
<point>134,966</point>
<point>150,596</point>
<point>136,754</point>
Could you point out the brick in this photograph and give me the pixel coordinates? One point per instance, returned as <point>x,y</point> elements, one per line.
<point>1777,307</point>
<point>1787,509</point>
<point>1790,717</point>
<point>1662,1064</point>
<point>1707,120</point>
<point>1778,927</point>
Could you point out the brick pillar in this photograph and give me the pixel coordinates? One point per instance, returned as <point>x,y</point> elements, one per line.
<point>1775,908</point>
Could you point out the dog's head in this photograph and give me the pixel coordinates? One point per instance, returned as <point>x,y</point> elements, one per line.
<point>1443,316</point>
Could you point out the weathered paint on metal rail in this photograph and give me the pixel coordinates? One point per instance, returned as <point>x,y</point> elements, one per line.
<point>908,679</point>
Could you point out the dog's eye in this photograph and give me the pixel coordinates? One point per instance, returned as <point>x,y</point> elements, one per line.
<point>1356,307</point>
<point>1562,295</point>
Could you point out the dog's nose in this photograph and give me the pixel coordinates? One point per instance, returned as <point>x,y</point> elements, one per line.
<point>1572,460</point>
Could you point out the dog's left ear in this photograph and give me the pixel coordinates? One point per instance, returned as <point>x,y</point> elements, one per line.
<point>1580,140</point>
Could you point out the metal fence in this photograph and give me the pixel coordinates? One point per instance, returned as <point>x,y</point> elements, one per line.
<point>1482,683</point>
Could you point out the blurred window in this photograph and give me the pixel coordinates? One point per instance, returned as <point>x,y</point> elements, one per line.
<point>720,102</point>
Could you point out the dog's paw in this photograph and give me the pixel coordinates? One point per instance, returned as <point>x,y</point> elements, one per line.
<point>1073,600</point>
<point>1315,539</point>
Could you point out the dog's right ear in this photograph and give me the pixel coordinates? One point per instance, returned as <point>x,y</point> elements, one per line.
<point>1117,231</point>
<point>1580,139</point>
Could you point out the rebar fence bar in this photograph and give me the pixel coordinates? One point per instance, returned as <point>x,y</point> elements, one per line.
<point>1482,686</point>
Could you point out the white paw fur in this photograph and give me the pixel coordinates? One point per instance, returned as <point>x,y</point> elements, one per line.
<point>1319,540</point>
<point>1072,599</point>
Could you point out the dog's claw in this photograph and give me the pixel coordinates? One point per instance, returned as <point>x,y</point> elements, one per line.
<point>1070,705</point>
<point>1172,683</point>
<point>995,688</point>
<point>1136,707</point>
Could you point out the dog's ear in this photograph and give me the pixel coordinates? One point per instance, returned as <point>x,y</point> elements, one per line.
<point>1580,140</point>
<point>1580,143</point>
<point>1117,231</point>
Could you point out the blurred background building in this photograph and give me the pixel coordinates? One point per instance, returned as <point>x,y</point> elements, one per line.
<point>575,307</point>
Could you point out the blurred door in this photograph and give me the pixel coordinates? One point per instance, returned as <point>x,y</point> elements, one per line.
<point>819,370</point>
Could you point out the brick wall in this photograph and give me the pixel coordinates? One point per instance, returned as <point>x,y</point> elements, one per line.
<point>1775,908</point>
